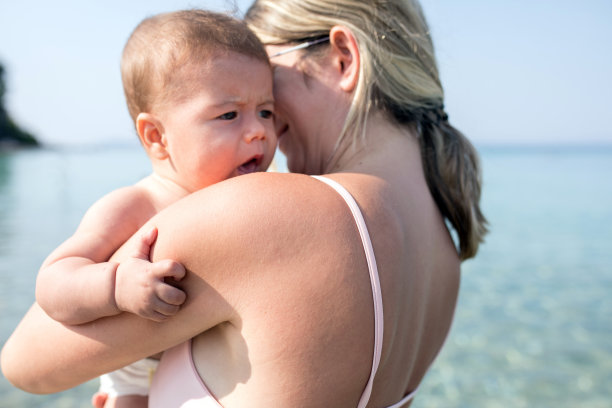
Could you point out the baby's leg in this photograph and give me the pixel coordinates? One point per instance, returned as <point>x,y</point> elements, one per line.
<point>101,400</point>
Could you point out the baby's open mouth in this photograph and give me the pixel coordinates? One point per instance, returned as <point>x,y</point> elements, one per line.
<point>251,165</point>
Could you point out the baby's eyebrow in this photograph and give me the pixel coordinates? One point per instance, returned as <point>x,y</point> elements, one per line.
<point>230,100</point>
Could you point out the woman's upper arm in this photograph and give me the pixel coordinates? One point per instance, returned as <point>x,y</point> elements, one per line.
<point>218,234</point>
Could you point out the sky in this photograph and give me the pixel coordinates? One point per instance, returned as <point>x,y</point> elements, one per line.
<point>521,71</point>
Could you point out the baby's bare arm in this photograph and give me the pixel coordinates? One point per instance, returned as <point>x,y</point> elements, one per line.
<point>76,283</point>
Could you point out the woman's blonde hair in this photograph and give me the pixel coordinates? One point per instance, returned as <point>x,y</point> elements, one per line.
<point>398,76</point>
<point>161,46</point>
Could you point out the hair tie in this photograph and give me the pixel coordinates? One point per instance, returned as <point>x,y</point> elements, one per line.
<point>432,116</point>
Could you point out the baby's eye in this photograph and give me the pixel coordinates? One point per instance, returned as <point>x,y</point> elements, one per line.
<point>266,114</point>
<point>228,116</point>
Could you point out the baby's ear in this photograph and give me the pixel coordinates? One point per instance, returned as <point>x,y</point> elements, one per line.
<point>151,133</point>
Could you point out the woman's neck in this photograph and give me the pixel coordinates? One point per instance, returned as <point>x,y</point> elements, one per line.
<point>383,146</point>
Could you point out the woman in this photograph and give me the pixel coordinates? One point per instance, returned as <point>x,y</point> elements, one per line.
<point>288,304</point>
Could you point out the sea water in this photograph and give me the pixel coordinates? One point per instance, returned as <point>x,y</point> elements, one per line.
<point>533,326</point>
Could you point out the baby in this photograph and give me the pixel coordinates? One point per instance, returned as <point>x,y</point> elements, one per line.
<point>198,86</point>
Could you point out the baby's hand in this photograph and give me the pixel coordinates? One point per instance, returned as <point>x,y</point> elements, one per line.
<point>140,286</point>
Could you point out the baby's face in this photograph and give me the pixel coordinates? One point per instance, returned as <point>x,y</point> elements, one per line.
<point>225,127</point>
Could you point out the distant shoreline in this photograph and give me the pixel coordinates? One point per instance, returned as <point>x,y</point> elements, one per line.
<point>566,147</point>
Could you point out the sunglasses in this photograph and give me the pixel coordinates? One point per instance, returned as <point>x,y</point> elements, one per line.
<point>301,46</point>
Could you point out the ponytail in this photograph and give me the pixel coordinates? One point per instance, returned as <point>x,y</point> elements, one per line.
<point>453,174</point>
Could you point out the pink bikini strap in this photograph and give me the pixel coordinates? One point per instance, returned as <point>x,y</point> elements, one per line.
<point>375,281</point>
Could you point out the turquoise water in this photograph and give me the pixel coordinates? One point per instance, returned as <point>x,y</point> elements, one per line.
<point>534,321</point>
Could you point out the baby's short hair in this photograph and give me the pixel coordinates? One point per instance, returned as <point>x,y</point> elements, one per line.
<point>161,46</point>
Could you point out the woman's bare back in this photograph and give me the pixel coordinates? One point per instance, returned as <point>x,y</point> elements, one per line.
<point>302,329</point>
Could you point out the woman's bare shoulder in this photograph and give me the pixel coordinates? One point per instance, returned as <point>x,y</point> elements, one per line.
<point>251,224</point>
<point>260,200</point>
<point>238,238</point>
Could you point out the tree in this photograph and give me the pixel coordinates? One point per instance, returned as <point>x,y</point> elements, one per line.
<point>10,133</point>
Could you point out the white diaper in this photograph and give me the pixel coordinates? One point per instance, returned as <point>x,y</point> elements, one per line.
<point>134,379</point>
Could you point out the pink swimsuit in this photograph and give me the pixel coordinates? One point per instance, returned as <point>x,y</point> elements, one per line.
<point>177,384</point>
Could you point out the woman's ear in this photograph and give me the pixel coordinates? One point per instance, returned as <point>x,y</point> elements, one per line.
<point>346,56</point>
<point>151,134</point>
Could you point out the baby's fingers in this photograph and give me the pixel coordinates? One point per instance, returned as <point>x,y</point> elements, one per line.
<point>142,246</point>
<point>164,310</point>
<point>169,269</point>
<point>171,295</point>
<point>156,316</point>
